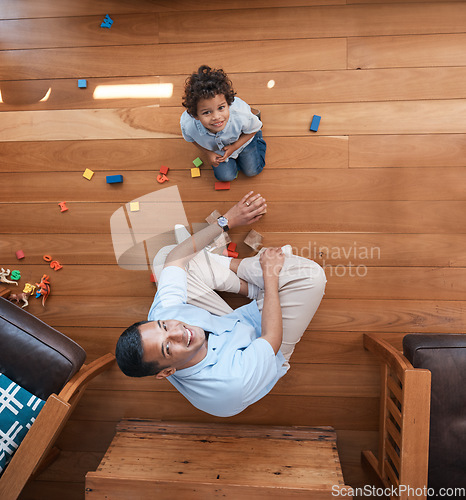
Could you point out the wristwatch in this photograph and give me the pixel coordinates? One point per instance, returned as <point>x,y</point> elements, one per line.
<point>223,223</point>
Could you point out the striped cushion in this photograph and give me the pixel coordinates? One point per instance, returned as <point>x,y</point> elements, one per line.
<point>18,410</point>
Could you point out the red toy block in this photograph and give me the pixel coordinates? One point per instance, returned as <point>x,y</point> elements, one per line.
<point>219,186</point>
<point>63,207</point>
<point>161,178</point>
<point>164,170</point>
<point>231,246</point>
<point>19,254</point>
<point>152,278</point>
<point>229,253</point>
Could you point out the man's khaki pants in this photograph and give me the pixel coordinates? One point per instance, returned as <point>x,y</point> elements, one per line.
<point>301,288</point>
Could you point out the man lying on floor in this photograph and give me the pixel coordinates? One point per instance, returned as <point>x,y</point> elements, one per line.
<point>223,360</point>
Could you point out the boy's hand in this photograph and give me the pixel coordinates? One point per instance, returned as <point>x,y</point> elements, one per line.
<point>248,210</point>
<point>228,151</point>
<point>214,158</point>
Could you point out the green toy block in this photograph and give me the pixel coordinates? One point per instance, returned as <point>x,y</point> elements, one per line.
<point>197,162</point>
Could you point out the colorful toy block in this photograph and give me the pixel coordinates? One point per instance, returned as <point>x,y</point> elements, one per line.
<point>164,170</point>
<point>195,172</point>
<point>63,207</point>
<point>88,173</point>
<point>315,123</point>
<point>231,246</point>
<point>19,254</point>
<point>114,179</point>
<point>220,186</point>
<point>197,162</point>
<point>107,22</point>
<point>229,253</point>
<point>152,278</point>
<point>161,178</point>
<point>55,265</point>
<point>82,84</point>
<point>15,275</point>
<point>134,206</point>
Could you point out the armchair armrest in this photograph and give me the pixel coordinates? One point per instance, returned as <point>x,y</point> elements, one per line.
<point>404,420</point>
<point>45,430</point>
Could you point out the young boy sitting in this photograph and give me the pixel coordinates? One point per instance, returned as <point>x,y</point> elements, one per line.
<point>222,125</point>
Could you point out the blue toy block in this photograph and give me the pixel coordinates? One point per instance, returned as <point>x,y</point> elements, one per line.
<point>315,123</point>
<point>107,22</point>
<point>114,179</point>
<point>82,84</point>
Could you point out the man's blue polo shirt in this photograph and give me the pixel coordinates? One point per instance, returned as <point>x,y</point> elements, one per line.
<point>239,369</point>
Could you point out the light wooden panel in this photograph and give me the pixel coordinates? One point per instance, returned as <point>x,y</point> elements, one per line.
<point>407,51</point>
<point>368,249</point>
<point>350,20</point>
<point>407,117</point>
<point>356,315</point>
<point>282,410</point>
<point>430,150</point>
<point>52,32</point>
<point>389,184</point>
<point>308,86</point>
<point>175,58</point>
<point>149,154</point>
<point>436,217</point>
<point>11,9</point>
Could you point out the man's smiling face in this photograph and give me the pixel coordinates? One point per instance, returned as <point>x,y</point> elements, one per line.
<point>173,345</point>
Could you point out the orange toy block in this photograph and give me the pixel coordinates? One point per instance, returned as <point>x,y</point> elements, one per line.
<point>219,186</point>
<point>161,178</point>
<point>231,246</point>
<point>164,170</point>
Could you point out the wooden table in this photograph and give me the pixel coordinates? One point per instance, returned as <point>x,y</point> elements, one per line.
<point>181,460</point>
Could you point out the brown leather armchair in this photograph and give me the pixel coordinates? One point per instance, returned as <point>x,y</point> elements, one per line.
<point>50,366</point>
<point>422,433</point>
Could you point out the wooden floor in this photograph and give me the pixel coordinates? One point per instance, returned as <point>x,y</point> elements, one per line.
<point>376,196</point>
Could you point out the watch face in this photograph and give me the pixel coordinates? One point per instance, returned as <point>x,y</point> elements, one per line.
<point>222,221</point>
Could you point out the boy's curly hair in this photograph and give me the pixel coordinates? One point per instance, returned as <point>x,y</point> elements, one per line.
<point>206,83</point>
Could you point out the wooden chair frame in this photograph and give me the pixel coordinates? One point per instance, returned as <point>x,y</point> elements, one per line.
<point>404,422</point>
<point>35,451</point>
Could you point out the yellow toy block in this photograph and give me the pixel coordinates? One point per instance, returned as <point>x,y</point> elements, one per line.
<point>134,206</point>
<point>195,172</point>
<point>88,174</point>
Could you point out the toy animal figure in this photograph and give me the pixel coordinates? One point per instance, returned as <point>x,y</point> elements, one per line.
<point>3,276</point>
<point>44,289</point>
<point>17,297</point>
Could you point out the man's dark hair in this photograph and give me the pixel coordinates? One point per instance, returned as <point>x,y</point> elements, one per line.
<point>129,354</point>
<point>206,83</point>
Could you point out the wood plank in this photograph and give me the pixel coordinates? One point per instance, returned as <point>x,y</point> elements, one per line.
<point>441,184</point>
<point>406,51</point>
<point>174,59</point>
<point>333,315</point>
<point>314,348</point>
<point>133,29</point>
<point>340,413</point>
<point>400,117</point>
<point>307,22</point>
<point>345,281</point>
<point>150,154</point>
<point>397,117</point>
<point>11,9</point>
<point>394,250</point>
<point>308,86</point>
<point>430,150</point>
<point>78,62</point>
<point>302,379</point>
<point>417,217</point>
